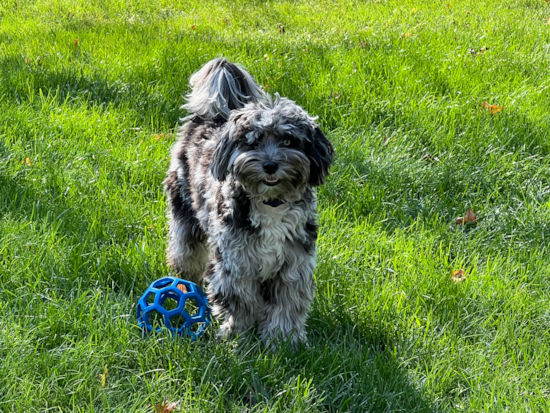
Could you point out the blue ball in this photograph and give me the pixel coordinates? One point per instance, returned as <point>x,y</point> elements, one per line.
<point>175,304</point>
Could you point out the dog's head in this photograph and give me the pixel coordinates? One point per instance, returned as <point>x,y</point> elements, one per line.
<point>274,149</point>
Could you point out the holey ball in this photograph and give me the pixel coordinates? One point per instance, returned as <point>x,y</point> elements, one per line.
<point>175,304</point>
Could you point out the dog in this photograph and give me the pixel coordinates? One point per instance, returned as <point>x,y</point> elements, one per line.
<point>241,202</point>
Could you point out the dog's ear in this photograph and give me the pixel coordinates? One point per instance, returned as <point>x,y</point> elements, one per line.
<point>219,165</point>
<point>319,151</point>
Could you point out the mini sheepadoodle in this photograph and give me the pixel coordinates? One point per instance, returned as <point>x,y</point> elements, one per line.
<point>242,203</point>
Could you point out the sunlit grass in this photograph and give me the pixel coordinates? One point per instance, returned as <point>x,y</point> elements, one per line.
<point>90,96</point>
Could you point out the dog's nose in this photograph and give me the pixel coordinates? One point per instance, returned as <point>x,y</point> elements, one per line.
<point>270,167</point>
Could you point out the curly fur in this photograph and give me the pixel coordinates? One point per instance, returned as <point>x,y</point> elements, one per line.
<point>242,206</point>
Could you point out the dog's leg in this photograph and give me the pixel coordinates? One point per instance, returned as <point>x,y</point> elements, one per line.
<point>286,307</point>
<point>235,300</point>
<point>187,252</point>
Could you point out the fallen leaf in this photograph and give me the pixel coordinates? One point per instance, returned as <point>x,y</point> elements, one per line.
<point>492,109</point>
<point>27,161</point>
<point>75,42</point>
<point>407,35</point>
<point>103,377</point>
<point>166,408</point>
<point>458,276</point>
<point>469,217</point>
<point>193,27</point>
<point>182,288</point>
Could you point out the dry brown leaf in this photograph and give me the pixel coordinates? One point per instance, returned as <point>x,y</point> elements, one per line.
<point>492,109</point>
<point>182,288</point>
<point>166,408</point>
<point>458,276</point>
<point>75,42</point>
<point>469,217</point>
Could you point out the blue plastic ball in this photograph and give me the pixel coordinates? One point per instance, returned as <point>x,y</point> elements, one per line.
<point>175,304</point>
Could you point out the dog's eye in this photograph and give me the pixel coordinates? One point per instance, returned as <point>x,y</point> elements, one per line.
<point>287,142</point>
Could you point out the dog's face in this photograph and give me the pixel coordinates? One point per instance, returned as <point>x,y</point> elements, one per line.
<point>273,149</point>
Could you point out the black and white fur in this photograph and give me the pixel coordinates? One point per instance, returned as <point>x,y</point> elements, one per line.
<point>242,204</point>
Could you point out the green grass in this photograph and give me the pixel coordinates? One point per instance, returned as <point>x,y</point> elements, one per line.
<point>90,95</point>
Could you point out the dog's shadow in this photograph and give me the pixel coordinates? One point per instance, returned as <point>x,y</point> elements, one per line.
<point>342,369</point>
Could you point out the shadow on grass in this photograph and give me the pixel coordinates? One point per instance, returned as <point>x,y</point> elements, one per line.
<point>154,101</point>
<point>364,368</point>
<point>344,369</point>
<point>90,251</point>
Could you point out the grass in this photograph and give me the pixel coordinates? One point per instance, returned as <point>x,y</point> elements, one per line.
<point>90,96</point>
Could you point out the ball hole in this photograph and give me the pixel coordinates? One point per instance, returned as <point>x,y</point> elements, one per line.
<point>169,300</point>
<point>181,286</point>
<point>170,303</point>
<point>197,327</point>
<point>162,283</point>
<point>177,321</point>
<point>191,307</point>
<point>155,319</point>
<point>150,299</point>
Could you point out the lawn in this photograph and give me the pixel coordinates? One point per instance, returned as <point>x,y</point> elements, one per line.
<point>90,96</point>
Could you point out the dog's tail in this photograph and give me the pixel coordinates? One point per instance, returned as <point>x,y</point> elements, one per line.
<point>219,87</point>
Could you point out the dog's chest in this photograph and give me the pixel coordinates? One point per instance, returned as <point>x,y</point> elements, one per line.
<point>276,230</point>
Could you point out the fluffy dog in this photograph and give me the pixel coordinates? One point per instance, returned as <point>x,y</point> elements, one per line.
<point>242,205</point>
